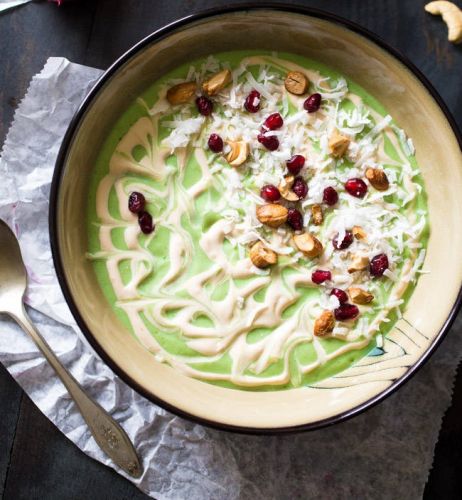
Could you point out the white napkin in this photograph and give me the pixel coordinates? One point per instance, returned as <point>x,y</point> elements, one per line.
<point>382,453</point>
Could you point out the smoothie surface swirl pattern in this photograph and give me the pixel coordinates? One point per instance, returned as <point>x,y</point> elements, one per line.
<point>188,291</point>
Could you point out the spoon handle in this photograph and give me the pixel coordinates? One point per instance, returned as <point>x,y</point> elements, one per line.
<point>109,435</point>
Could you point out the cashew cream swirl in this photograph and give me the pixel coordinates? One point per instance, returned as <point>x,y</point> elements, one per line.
<point>189,291</point>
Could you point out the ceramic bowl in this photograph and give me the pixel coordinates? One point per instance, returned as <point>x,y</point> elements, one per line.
<point>385,74</point>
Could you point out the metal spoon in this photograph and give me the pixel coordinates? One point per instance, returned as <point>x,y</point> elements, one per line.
<point>109,435</point>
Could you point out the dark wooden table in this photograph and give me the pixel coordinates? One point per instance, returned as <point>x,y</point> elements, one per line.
<point>36,460</point>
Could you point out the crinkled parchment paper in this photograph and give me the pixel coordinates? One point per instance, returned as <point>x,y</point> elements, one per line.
<point>9,4</point>
<point>383,453</point>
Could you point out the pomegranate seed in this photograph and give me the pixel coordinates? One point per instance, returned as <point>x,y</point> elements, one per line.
<point>204,105</point>
<point>270,142</point>
<point>295,219</point>
<point>379,264</point>
<point>300,188</point>
<point>356,187</point>
<point>252,101</point>
<point>345,243</point>
<point>346,312</point>
<point>330,196</point>
<point>270,193</point>
<point>145,222</point>
<point>340,294</point>
<point>136,202</point>
<point>273,122</point>
<point>320,276</point>
<point>295,164</point>
<point>313,103</point>
<point>215,143</point>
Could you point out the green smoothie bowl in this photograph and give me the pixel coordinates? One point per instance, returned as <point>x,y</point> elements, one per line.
<point>255,218</point>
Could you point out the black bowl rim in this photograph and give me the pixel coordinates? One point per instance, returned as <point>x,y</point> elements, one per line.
<point>59,168</point>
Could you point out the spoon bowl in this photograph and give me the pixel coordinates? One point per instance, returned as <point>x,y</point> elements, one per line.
<point>13,278</point>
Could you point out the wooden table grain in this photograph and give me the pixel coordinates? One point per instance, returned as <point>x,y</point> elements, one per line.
<point>36,460</point>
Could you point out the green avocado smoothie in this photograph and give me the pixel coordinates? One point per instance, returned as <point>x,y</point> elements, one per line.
<point>257,220</point>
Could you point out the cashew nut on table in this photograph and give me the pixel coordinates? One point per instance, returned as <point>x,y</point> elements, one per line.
<point>452,16</point>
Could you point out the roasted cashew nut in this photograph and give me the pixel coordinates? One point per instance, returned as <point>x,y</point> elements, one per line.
<point>239,151</point>
<point>452,16</point>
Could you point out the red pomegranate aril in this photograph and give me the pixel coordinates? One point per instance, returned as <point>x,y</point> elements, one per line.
<point>215,143</point>
<point>271,142</point>
<point>204,105</point>
<point>295,164</point>
<point>270,193</point>
<point>300,187</point>
<point>312,103</point>
<point>136,202</point>
<point>356,187</point>
<point>345,243</point>
<point>295,219</point>
<point>346,312</point>
<point>145,222</point>
<point>378,265</point>
<point>252,101</point>
<point>340,294</point>
<point>273,122</point>
<point>319,276</point>
<point>330,196</point>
